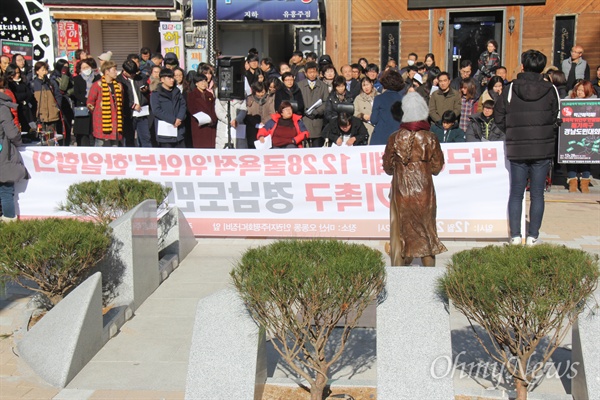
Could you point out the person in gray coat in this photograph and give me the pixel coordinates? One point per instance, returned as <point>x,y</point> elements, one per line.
<point>12,168</point>
<point>313,90</point>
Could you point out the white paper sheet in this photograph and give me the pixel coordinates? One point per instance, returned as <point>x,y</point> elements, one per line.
<point>314,107</point>
<point>202,118</point>
<point>166,129</point>
<point>144,112</point>
<point>266,145</point>
<point>239,132</point>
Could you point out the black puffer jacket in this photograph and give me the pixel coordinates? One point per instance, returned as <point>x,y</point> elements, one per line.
<point>527,112</point>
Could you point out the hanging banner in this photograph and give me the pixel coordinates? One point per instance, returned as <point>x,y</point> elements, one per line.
<point>28,21</point>
<point>579,133</point>
<point>326,192</point>
<point>261,10</point>
<point>69,39</point>
<point>171,40</point>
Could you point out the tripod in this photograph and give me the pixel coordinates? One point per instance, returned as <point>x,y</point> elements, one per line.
<point>229,144</point>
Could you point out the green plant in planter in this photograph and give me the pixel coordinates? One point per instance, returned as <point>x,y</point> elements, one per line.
<point>521,296</point>
<point>299,290</point>
<point>106,200</point>
<point>51,256</point>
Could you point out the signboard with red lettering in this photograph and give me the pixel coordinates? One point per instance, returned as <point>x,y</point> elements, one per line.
<point>323,192</point>
<point>69,39</point>
<point>579,133</point>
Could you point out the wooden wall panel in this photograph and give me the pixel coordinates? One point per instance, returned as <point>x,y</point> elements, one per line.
<point>338,35</point>
<point>365,41</point>
<point>378,10</point>
<point>587,36</point>
<point>414,38</point>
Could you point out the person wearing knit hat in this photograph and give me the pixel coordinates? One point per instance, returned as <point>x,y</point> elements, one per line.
<point>412,156</point>
<point>104,57</point>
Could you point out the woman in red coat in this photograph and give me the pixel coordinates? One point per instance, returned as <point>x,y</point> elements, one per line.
<point>199,99</point>
<point>285,128</point>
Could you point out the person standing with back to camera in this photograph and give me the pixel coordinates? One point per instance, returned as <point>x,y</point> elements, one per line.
<point>413,156</point>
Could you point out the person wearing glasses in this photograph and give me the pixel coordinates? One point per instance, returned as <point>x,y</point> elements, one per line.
<point>575,67</point>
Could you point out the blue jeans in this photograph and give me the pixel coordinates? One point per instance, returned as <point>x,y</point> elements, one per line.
<point>7,199</point>
<point>142,127</point>
<point>573,169</point>
<point>536,171</point>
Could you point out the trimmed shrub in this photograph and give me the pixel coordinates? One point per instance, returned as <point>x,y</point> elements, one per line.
<point>51,256</point>
<point>300,290</point>
<point>106,200</point>
<point>524,297</point>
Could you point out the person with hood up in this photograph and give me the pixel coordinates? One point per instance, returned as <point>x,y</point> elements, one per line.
<point>412,157</point>
<point>482,127</point>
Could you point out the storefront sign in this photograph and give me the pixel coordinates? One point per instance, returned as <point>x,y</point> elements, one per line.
<point>424,4</point>
<point>11,47</point>
<point>69,39</point>
<point>171,40</point>
<point>326,192</point>
<point>579,133</point>
<point>260,10</point>
<point>308,39</point>
<point>390,41</point>
<point>193,58</point>
<point>28,21</point>
<point>564,38</point>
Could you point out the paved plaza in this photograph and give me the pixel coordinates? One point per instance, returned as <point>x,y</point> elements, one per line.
<point>148,359</point>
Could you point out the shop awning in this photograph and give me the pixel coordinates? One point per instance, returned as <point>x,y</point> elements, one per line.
<point>426,4</point>
<point>146,4</point>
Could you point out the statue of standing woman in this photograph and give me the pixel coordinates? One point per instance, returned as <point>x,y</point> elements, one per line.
<point>413,156</point>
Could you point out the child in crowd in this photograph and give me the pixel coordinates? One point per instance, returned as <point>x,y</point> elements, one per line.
<point>482,127</point>
<point>447,130</point>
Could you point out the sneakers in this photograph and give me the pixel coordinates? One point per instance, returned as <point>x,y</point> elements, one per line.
<point>516,240</point>
<point>531,241</point>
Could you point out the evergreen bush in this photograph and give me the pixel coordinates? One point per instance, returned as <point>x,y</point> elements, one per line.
<point>106,200</point>
<point>51,256</point>
<point>300,290</point>
<point>524,297</point>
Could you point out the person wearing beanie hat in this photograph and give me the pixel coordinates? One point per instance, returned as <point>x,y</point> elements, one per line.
<point>412,156</point>
<point>104,57</point>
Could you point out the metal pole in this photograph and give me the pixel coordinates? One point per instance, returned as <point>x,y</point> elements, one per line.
<point>212,32</point>
<point>229,144</point>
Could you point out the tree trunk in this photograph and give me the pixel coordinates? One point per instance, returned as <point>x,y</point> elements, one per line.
<point>316,391</point>
<point>521,389</point>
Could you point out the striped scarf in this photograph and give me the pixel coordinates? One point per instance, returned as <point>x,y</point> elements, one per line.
<point>107,116</point>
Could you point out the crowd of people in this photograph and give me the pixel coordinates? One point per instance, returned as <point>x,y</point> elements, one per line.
<point>149,101</point>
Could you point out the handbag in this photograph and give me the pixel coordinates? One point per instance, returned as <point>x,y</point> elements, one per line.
<point>81,112</point>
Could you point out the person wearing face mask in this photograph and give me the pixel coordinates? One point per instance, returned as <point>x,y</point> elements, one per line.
<point>82,83</point>
<point>412,60</point>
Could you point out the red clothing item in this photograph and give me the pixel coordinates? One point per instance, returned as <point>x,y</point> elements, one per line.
<point>95,99</point>
<point>284,133</point>
<point>203,137</point>
<point>270,127</point>
<point>14,111</point>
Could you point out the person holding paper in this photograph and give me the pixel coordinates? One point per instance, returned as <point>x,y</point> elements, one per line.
<point>200,100</point>
<point>285,128</point>
<point>314,91</point>
<point>135,106</point>
<point>168,107</point>
<point>346,130</point>
<point>260,107</point>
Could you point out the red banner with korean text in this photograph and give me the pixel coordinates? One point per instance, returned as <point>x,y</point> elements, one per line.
<point>326,192</point>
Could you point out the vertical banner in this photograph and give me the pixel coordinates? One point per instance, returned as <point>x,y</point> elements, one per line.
<point>308,39</point>
<point>564,38</point>
<point>69,39</point>
<point>579,133</point>
<point>390,41</point>
<point>171,40</point>
<point>28,21</point>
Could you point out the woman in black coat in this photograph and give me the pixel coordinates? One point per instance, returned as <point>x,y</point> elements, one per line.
<point>290,92</point>
<point>24,95</point>
<point>86,76</point>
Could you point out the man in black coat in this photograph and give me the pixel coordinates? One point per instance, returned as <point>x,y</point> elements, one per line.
<point>527,112</point>
<point>352,85</point>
